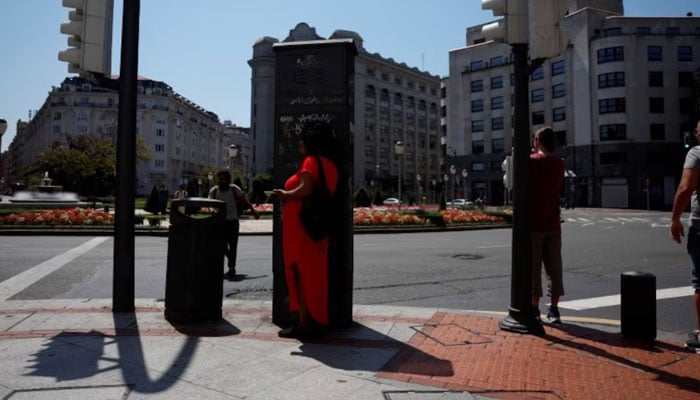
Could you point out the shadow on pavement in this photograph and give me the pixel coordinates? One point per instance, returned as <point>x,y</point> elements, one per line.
<point>365,349</point>
<point>77,355</point>
<point>653,357</point>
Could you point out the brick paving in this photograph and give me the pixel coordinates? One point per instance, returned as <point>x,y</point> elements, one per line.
<point>444,350</point>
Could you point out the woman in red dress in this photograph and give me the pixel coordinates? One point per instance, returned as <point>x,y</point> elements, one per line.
<point>306,260</point>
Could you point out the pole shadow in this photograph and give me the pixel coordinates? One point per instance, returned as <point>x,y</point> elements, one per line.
<point>71,356</point>
<point>617,341</point>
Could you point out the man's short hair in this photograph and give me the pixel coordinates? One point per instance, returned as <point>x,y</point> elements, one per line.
<point>547,138</point>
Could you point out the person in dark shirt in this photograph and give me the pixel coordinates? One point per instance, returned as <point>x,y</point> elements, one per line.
<point>546,180</point>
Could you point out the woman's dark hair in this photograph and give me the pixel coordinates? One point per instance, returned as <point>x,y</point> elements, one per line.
<point>318,138</point>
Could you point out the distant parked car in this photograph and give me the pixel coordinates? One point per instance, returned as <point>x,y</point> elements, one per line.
<point>461,204</point>
<point>391,201</point>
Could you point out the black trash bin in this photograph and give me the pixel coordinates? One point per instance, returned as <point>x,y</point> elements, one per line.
<point>638,305</point>
<point>196,244</point>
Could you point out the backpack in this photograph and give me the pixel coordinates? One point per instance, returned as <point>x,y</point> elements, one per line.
<point>316,212</point>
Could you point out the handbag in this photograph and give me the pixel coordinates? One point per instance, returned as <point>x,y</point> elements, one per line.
<point>316,212</point>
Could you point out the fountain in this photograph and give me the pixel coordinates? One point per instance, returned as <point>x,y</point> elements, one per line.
<point>45,195</point>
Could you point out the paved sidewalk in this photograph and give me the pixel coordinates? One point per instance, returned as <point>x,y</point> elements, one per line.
<point>79,349</point>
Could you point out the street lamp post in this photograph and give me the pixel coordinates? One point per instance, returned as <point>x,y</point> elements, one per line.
<point>434,181</point>
<point>445,179</point>
<point>199,187</point>
<point>210,178</point>
<point>399,149</point>
<point>232,153</point>
<point>3,128</point>
<point>453,171</point>
<point>419,189</point>
<point>465,174</point>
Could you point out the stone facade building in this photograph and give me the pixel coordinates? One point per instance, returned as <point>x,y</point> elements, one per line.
<point>620,98</point>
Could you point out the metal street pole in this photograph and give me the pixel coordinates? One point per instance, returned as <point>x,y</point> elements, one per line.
<point>123,281</point>
<point>521,314</point>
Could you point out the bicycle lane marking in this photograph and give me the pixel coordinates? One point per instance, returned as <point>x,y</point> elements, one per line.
<point>23,280</point>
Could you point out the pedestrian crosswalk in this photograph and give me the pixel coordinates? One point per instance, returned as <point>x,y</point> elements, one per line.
<point>651,221</point>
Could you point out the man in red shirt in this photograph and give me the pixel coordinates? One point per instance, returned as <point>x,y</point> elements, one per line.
<point>546,180</point>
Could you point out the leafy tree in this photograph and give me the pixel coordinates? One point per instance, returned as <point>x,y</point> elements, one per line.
<point>261,183</point>
<point>86,166</point>
<point>362,198</point>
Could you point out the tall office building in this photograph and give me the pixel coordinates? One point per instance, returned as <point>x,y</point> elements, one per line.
<point>393,102</point>
<point>183,138</point>
<point>620,99</point>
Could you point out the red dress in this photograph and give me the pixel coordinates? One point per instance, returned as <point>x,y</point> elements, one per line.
<point>310,257</point>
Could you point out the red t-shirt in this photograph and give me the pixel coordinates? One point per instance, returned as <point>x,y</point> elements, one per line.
<point>546,179</point>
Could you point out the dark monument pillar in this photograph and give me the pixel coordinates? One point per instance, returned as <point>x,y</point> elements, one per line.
<point>314,81</point>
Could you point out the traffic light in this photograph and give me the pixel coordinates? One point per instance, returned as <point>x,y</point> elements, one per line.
<point>507,167</point>
<point>547,39</point>
<point>89,28</point>
<point>688,140</point>
<point>513,27</point>
<point>534,21</point>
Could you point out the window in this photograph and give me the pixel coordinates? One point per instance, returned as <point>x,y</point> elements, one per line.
<point>611,54</point>
<point>612,31</point>
<point>385,76</point>
<point>613,105</point>
<point>397,81</point>
<point>496,61</point>
<point>476,65</point>
<point>497,145</point>
<point>57,116</point>
<point>160,148</point>
<point>496,124</point>
<point>57,129</point>
<point>686,105</point>
<point>559,114</point>
<point>410,84</point>
<point>369,127</point>
<point>478,125</point>
<point>497,103</point>
<point>656,105</point>
<point>159,132</point>
<point>657,131</point>
<point>370,71</point>
<point>82,116</point>
<point>477,146</point>
<point>673,30</point>
<point>558,67</point>
<point>477,85</point>
<point>537,117</point>
<point>159,163</point>
<point>369,91</point>
<point>613,132</point>
<point>643,30</point>
<point>685,79</point>
<point>611,79</point>
<point>497,82</point>
<point>656,79</point>
<point>537,74</point>
<point>477,105</point>
<point>477,166</point>
<point>537,95</point>
<point>559,90</point>
<point>655,53</point>
<point>685,53</point>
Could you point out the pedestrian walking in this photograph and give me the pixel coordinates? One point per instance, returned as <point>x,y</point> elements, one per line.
<point>686,193</point>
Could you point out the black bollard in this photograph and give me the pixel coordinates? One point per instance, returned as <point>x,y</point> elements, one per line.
<point>638,305</point>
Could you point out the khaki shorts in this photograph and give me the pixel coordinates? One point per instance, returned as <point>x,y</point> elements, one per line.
<point>546,249</point>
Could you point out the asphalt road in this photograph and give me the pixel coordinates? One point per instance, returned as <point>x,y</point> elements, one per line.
<point>457,270</point>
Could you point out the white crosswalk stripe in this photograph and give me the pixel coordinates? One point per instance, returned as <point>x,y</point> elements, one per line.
<point>614,300</point>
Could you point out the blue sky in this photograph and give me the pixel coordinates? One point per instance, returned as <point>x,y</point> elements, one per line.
<point>201,48</point>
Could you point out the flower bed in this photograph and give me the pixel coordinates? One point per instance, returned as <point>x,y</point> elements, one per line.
<point>363,216</point>
<point>70,216</point>
<point>417,216</point>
